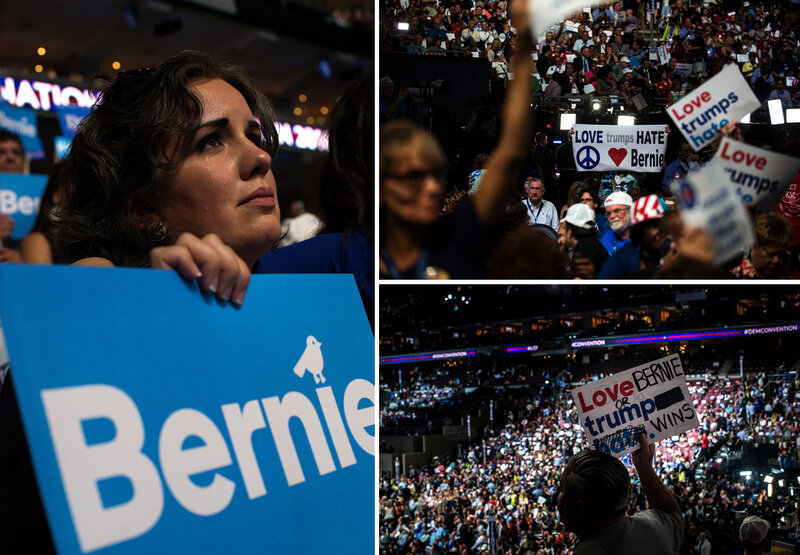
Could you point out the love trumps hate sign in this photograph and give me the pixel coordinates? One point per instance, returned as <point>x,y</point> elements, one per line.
<point>613,147</point>
<point>652,399</point>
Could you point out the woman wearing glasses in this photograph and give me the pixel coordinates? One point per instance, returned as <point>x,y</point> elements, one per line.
<point>416,242</point>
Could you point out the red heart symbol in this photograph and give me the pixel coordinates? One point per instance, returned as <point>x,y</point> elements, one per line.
<point>617,155</point>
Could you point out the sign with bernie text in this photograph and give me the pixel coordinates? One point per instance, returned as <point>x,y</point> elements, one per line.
<point>761,177</point>
<point>22,121</point>
<point>710,201</point>
<point>163,421</point>
<point>652,399</point>
<point>615,147</point>
<point>703,113</point>
<point>20,196</point>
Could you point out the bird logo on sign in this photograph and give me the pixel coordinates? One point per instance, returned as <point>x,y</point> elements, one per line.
<point>587,157</point>
<point>311,360</point>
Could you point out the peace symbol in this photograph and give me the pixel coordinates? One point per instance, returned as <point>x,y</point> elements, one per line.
<point>588,157</point>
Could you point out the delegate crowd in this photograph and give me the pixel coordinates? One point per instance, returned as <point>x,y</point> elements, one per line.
<point>446,506</point>
<point>570,224</point>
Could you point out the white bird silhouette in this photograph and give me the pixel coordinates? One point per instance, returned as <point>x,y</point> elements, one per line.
<point>311,360</point>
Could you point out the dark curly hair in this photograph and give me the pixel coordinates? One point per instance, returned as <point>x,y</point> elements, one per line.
<point>128,149</point>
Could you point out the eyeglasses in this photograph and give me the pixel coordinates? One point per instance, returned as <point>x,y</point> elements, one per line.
<point>415,178</point>
<point>587,199</point>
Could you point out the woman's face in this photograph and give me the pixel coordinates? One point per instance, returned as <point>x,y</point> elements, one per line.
<point>414,190</point>
<point>225,184</point>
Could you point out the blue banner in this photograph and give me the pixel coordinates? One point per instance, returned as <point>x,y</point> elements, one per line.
<point>20,197</point>
<point>69,117</point>
<point>22,121</point>
<point>163,421</point>
<point>62,145</point>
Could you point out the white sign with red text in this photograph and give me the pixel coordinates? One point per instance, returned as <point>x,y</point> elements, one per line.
<point>703,113</point>
<point>652,399</point>
<point>761,177</point>
<point>637,148</point>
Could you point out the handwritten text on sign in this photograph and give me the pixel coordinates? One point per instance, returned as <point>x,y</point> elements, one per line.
<point>612,147</point>
<point>652,399</point>
<point>761,177</point>
<point>702,114</point>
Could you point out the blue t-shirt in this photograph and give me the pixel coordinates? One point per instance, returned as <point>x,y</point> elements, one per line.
<point>331,253</point>
<point>625,261</point>
<point>611,243</point>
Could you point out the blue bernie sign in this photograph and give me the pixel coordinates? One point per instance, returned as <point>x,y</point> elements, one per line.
<point>163,421</point>
<point>20,196</point>
<point>69,117</point>
<point>22,121</point>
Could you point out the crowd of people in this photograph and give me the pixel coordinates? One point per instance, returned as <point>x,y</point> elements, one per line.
<point>633,226</point>
<point>503,489</point>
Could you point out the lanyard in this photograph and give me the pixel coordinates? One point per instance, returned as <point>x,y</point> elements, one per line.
<point>538,211</point>
<point>394,272</point>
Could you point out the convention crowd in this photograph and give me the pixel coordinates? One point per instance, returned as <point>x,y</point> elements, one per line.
<point>501,491</point>
<point>586,224</point>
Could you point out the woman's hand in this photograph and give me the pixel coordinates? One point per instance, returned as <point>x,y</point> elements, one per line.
<point>211,262</point>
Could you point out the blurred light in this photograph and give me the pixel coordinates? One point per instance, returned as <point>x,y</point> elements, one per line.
<point>302,98</point>
<point>402,26</point>
<point>775,111</point>
<point>557,141</point>
<point>323,110</point>
<point>626,120</point>
<point>310,120</point>
<point>745,473</point>
<point>116,65</point>
<point>768,479</point>
<point>567,121</point>
<point>38,68</point>
<point>41,51</point>
<point>298,111</point>
<point>745,119</point>
<point>325,68</point>
<point>595,106</point>
<point>792,115</point>
<point>780,483</point>
<point>769,490</point>
<point>548,126</point>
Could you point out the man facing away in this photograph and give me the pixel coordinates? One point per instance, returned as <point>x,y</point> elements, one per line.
<point>593,499</point>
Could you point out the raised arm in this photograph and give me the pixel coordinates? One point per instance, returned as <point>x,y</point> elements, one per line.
<point>509,154</point>
<point>658,496</point>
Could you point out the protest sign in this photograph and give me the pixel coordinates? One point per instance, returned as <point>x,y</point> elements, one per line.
<point>571,26</point>
<point>613,147</point>
<point>20,196</point>
<point>761,177</point>
<point>709,200</point>
<point>69,117</point>
<point>664,54</point>
<point>684,70</point>
<point>703,113</point>
<point>163,421</point>
<point>22,121</point>
<point>652,399</point>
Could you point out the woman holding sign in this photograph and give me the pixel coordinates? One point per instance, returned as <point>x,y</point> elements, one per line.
<point>172,170</point>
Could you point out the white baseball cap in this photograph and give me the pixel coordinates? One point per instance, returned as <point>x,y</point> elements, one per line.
<point>625,59</point>
<point>618,197</point>
<point>580,215</point>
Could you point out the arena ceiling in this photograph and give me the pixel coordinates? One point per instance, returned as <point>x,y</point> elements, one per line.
<point>287,46</point>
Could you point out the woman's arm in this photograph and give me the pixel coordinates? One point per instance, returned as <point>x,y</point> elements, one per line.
<point>507,157</point>
<point>35,249</point>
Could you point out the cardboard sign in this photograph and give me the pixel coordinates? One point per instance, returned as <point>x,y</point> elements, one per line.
<point>69,117</point>
<point>703,113</point>
<point>22,121</point>
<point>20,196</point>
<point>571,26</point>
<point>663,54</point>
<point>613,147</point>
<point>708,200</point>
<point>652,399</point>
<point>163,421</point>
<point>761,177</point>
<point>684,70</point>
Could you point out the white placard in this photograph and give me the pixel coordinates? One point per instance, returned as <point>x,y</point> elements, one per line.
<point>545,12</point>
<point>761,177</point>
<point>708,200</point>
<point>637,148</point>
<point>652,399</point>
<point>703,113</point>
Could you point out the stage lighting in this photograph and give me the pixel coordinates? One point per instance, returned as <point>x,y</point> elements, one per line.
<point>402,26</point>
<point>567,121</point>
<point>768,479</point>
<point>626,120</point>
<point>745,119</point>
<point>595,106</point>
<point>775,111</point>
<point>792,115</point>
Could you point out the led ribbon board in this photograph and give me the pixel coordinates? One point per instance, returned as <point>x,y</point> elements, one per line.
<point>163,421</point>
<point>426,357</point>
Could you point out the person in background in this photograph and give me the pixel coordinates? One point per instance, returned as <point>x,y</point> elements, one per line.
<point>754,533</point>
<point>37,247</point>
<point>618,212</point>
<point>770,254</point>
<point>12,160</point>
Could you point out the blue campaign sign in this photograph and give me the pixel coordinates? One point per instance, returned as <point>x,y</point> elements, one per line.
<point>163,421</point>
<point>19,198</point>
<point>69,117</point>
<point>22,121</point>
